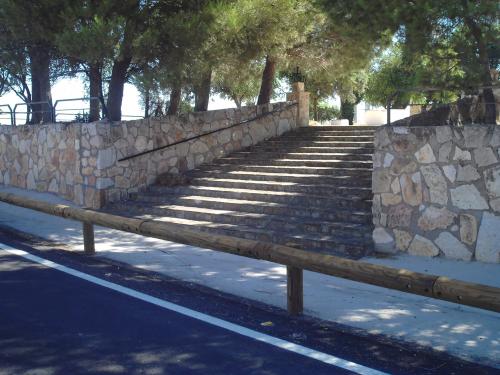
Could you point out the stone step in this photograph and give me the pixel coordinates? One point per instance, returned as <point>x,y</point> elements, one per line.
<point>337,245</point>
<point>333,245</point>
<point>334,180</point>
<point>310,188</point>
<point>338,127</point>
<point>330,138</point>
<point>264,147</point>
<point>289,224</point>
<point>272,155</point>
<point>317,189</point>
<point>335,132</point>
<point>296,169</point>
<point>159,193</point>
<point>320,163</point>
<point>298,142</point>
<point>261,207</point>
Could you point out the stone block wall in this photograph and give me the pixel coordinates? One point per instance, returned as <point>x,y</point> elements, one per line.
<point>80,162</point>
<point>43,157</point>
<point>437,191</point>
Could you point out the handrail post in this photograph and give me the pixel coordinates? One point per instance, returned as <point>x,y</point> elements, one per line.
<point>295,290</point>
<point>54,111</point>
<point>10,112</point>
<point>12,121</point>
<point>14,114</point>
<point>88,238</point>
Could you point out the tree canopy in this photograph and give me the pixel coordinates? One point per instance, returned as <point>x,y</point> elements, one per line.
<point>450,46</point>
<point>177,49</point>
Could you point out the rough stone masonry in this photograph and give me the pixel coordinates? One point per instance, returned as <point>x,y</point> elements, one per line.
<point>81,162</point>
<point>437,191</point>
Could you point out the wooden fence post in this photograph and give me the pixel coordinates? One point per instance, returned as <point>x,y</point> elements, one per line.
<point>88,238</point>
<point>295,290</point>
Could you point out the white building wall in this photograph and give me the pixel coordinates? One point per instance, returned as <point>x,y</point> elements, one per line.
<point>369,115</point>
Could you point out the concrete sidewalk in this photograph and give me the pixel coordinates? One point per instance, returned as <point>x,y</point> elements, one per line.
<point>465,332</point>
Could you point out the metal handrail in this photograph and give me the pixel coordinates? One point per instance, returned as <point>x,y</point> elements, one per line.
<point>54,109</point>
<point>12,123</point>
<point>207,133</point>
<point>429,89</point>
<point>31,104</point>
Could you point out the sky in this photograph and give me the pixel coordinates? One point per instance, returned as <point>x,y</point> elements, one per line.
<point>70,88</point>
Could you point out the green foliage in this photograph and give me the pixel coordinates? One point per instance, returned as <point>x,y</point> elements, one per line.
<point>14,72</point>
<point>152,94</point>
<point>185,106</point>
<point>24,28</point>
<point>238,82</point>
<point>160,44</point>
<point>82,118</point>
<point>256,28</point>
<point>347,110</point>
<point>92,31</point>
<point>181,42</point>
<point>442,43</point>
<point>30,24</point>
<point>388,79</point>
<point>324,112</point>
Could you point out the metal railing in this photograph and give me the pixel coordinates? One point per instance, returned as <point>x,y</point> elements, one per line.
<point>30,110</point>
<point>75,114</point>
<point>393,96</point>
<point>261,115</point>
<point>54,111</point>
<point>10,116</point>
<point>296,260</point>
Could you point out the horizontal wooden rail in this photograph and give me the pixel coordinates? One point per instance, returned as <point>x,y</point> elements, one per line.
<point>439,287</point>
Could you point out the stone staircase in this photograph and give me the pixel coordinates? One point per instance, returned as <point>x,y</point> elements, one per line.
<point>309,188</point>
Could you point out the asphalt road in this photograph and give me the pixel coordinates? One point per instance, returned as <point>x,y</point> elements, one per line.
<point>63,313</point>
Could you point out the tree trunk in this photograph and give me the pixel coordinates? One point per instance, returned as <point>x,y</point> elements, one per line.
<point>266,86</point>
<point>147,100</point>
<point>202,93</point>
<point>40,85</point>
<point>490,116</point>
<point>25,96</point>
<point>95,88</point>
<point>175,100</point>
<point>28,115</point>
<point>115,93</point>
<point>102,100</point>
<point>489,97</point>
<point>237,101</point>
<point>315,108</point>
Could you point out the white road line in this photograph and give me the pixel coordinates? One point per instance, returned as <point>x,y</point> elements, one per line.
<point>274,341</point>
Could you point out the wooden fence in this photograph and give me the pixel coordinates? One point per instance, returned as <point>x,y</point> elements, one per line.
<point>296,260</point>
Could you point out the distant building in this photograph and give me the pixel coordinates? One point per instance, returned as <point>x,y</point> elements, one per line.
<point>367,114</point>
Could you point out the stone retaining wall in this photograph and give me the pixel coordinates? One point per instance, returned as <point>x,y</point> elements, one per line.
<point>44,157</point>
<point>437,191</point>
<point>80,161</point>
